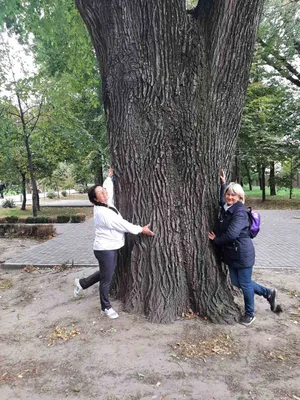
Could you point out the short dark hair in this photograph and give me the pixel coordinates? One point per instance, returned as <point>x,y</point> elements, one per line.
<point>92,194</point>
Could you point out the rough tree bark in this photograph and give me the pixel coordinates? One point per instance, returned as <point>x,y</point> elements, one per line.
<point>174,84</point>
<point>23,184</point>
<point>263,182</point>
<point>32,178</point>
<point>272,179</point>
<point>99,175</point>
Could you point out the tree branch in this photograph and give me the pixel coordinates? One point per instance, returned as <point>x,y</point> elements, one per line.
<point>38,116</point>
<point>280,64</point>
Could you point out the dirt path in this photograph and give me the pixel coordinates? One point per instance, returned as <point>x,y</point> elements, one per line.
<point>53,346</point>
<point>10,247</point>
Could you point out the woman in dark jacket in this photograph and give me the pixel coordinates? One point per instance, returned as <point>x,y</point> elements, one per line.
<point>232,237</point>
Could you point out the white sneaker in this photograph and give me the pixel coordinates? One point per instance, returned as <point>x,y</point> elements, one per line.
<point>77,287</point>
<point>111,313</point>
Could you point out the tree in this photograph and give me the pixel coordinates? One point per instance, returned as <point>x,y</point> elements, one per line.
<point>13,162</point>
<point>62,48</point>
<point>261,131</point>
<point>23,105</point>
<point>173,85</point>
<point>278,39</point>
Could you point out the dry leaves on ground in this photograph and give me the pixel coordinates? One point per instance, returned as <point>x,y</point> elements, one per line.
<point>62,334</point>
<point>220,344</point>
<point>5,284</point>
<point>30,268</point>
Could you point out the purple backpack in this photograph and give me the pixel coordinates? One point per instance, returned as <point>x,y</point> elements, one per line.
<point>254,220</point>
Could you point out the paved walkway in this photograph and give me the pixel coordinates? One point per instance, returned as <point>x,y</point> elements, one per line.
<point>277,245</point>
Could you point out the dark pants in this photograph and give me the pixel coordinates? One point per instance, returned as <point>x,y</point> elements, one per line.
<point>242,278</point>
<point>107,263</point>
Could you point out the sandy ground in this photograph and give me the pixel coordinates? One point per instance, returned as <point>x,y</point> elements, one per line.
<point>10,247</point>
<point>53,346</point>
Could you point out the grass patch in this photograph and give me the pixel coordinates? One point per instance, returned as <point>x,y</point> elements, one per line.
<point>279,202</point>
<point>77,196</point>
<point>281,194</point>
<point>48,211</point>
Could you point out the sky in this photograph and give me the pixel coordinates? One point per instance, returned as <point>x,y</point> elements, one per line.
<point>21,58</point>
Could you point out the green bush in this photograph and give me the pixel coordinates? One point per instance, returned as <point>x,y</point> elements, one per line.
<point>63,219</point>
<point>8,203</point>
<point>36,231</point>
<point>41,220</point>
<point>35,220</point>
<point>78,218</point>
<point>75,219</point>
<point>29,220</point>
<point>64,193</point>
<point>12,219</point>
<point>82,216</point>
<point>51,195</point>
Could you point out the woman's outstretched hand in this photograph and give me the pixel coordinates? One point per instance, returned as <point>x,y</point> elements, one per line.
<point>211,235</point>
<point>146,230</point>
<point>222,177</point>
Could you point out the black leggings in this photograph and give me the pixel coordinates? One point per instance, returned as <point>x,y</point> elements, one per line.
<point>107,263</point>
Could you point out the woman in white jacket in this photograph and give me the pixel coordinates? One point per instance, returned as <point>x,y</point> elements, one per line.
<point>109,238</point>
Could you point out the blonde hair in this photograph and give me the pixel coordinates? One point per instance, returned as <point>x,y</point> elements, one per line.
<point>236,189</point>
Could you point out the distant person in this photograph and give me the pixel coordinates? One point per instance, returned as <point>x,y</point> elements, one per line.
<point>232,237</point>
<point>108,184</point>
<point>109,238</point>
<point>2,188</point>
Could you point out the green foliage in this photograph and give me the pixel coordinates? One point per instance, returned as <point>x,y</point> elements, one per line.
<point>51,195</point>
<point>51,212</point>
<point>12,219</point>
<point>82,216</point>
<point>63,49</point>
<point>278,39</point>
<point>8,203</point>
<point>64,193</point>
<point>33,231</point>
<point>81,188</point>
<point>76,218</point>
<point>72,128</point>
<point>63,219</point>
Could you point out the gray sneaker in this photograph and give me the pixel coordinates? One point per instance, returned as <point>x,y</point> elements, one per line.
<point>110,313</point>
<point>77,287</point>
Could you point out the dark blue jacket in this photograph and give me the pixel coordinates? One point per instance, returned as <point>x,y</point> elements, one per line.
<point>233,235</point>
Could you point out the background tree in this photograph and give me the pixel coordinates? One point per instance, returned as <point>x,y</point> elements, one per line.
<point>13,161</point>
<point>260,136</point>
<point>279,39</point>
<point>75,130</point>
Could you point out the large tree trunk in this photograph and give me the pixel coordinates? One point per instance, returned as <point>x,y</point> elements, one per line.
<point>173,91</point>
